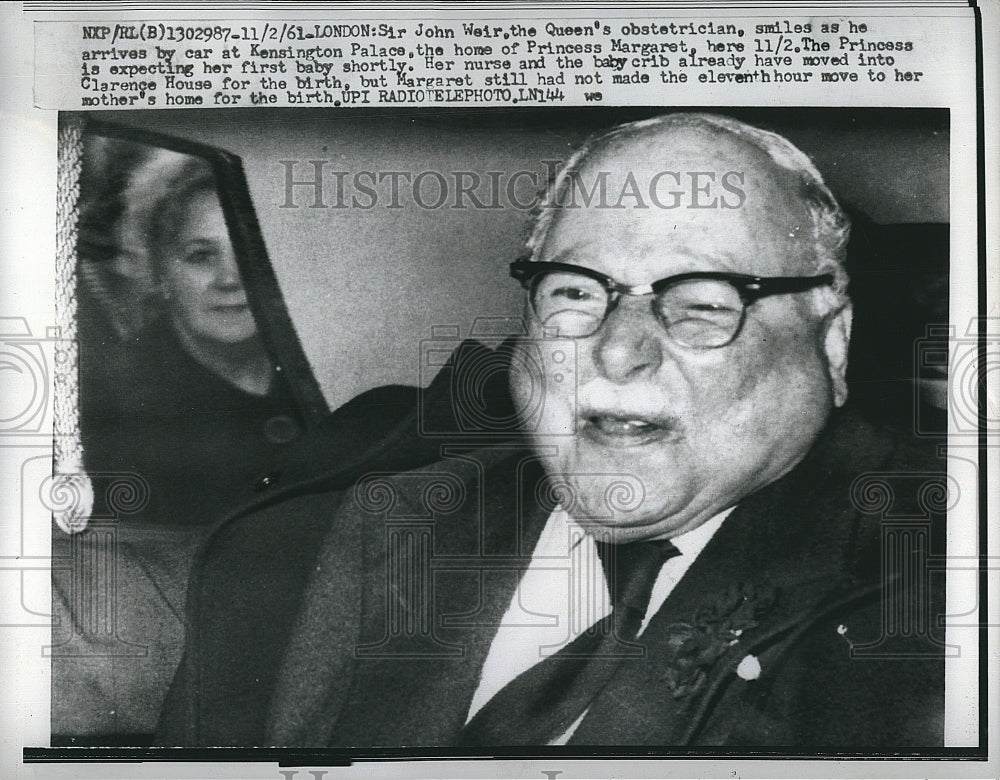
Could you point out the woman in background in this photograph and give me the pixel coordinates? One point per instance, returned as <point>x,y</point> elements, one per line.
<point>199,282</point>
<point>192,404</point>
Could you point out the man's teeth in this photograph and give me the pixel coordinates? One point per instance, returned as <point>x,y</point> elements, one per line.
<point>621,425</point>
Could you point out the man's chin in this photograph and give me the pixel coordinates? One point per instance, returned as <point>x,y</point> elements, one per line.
<point>620,501</point>
<point>633,527</point>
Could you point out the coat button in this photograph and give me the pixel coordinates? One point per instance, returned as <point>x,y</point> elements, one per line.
<point>281,429</point>
<point>266,482</point>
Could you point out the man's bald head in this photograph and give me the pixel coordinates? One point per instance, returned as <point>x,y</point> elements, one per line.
<point>772,171</point>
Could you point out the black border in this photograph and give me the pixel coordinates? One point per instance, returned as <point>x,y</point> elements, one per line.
<point>331,757</point>
<point>984,535</point>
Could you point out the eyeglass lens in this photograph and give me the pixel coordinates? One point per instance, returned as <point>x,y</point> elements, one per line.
<point>696,312</point>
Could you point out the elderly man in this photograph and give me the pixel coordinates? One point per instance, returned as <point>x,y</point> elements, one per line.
<point>678,549</point>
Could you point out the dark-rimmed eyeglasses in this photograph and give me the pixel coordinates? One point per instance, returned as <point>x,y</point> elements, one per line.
<point>701,310</point>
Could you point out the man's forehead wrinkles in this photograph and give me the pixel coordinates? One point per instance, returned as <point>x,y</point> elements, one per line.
<point>648,158</point>
<point>573,254</point>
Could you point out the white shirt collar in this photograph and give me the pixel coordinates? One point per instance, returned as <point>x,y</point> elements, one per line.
<point>690,543</point>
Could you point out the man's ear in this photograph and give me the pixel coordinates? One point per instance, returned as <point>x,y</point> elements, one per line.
<point>835,344</point>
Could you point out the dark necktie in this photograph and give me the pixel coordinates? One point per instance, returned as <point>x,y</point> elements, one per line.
<point>542,702</point>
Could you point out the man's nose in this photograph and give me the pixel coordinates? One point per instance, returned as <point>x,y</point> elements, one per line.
<point>629,344</point>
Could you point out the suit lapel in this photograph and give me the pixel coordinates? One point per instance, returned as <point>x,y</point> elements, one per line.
<point>476,591</point>
<point>477,578</point>
<point>436,581</point>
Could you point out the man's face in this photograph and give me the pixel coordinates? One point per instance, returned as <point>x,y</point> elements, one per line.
<point>698,429</point>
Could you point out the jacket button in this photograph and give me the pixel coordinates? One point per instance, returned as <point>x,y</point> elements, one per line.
<point>266,482</point>
<point>281,429</point>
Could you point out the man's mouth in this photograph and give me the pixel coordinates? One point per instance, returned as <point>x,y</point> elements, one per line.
<point>626,430</point>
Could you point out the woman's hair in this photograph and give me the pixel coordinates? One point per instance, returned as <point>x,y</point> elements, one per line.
<point>110,281</point>
<point>133,199</point>
<point>160,196</point>
<point>157,197</point>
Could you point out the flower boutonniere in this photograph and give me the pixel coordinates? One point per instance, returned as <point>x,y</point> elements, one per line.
<point>695,645</point>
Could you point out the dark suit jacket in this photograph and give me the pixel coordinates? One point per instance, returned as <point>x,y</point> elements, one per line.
<point>362,618</point>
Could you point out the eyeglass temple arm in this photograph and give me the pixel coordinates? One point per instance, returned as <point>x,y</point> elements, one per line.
<point>750,288</point>
<point>761,287</point>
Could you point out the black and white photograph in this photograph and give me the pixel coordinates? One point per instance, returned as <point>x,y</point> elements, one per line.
<point>483,429</point>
